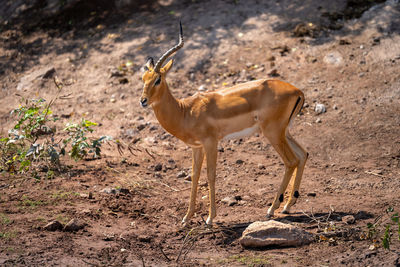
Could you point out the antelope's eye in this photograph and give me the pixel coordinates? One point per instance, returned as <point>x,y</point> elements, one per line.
<point>158,81</point>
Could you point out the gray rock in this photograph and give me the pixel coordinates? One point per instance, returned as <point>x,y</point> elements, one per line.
<point>74,225</point>
<point>182,174</point>
<point>27,81</point>
<point>320,108</point>
<point>230,201</point>
<point>333,58</point>
<point>274,233</point>
<point>109,190</point>
<point>53,226</point>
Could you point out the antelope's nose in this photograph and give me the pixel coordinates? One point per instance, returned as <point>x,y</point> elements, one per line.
<point>143,102</point>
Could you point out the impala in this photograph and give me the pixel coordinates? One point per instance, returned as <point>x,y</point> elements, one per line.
<point>205,118</point>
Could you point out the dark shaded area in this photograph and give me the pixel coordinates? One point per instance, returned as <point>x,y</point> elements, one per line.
<point>61,16</point>
<point>235,231</point>
<point>87,22</point>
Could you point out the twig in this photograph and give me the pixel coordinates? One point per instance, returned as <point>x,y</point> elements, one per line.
<point>143,262</point>
<point>67,96</point>
<point>162,251</point>
<point>373,173</point>
<point>173,189</point>
<point>92,264</point>
<point>149,154</point>
<point>183,245</point>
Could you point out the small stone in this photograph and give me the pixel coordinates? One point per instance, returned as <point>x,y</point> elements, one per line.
<point>274,73</point>
<point>158,167</point>
<point>261,166</point>
<point>53,226</point>
<point>335,107</point>
<point>239,161</point>
<point>348,219</point>
<point>181,174</point>
<point>230,201</point>
<point>141,126</point>
<point>202,88</point>
<point>123,81</point>
<point>109,237</point>
<point>320,108</point>
<point>334,58</point>
<point>116,73</point>
<point>361,74</point>
<point>311,194</point>
<point>109,190</point>
<point>318,120</point>
<point>74,225</point>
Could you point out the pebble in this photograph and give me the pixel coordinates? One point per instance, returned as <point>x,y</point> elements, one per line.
<point>74,225</point>
<point>274,73</point>
<point>202,88</point>
<point>320,108</point>
<point>230,201</point>
<point>239,161</point>
<point>158,167</point>
<point>261,166</point>
<point>182,174</point>
<point>109,190</point>
<point>53,226</point>
<point>318,120</point>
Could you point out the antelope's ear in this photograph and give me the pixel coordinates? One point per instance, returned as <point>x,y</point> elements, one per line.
<point>149,64</point>
<point>167,66</point>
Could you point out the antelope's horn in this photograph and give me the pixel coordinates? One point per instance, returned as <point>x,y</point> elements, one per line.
<point>171,51</point>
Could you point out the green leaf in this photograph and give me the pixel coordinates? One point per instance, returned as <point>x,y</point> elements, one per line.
<point>386,238</point>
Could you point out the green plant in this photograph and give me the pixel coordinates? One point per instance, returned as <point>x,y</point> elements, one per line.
<point>382,228</point>
<point>4,219</point>
<point>247,260</point>
<point>21,147</point>
<point>8,235</point>
<point>81,145</point>
<point>27,202</point>
<point>31,146</point>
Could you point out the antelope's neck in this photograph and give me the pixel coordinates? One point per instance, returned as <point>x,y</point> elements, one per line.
<point>169,112</point>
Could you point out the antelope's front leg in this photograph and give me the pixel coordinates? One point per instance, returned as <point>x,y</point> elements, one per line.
<point>197,161</point>
<point>210,148</point>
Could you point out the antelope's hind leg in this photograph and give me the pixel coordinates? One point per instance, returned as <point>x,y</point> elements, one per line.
<point>197,161</point>
<point>279,141</point>
<point>302,155</point>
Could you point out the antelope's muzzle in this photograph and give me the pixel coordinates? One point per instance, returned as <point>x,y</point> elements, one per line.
<point>143,102</point>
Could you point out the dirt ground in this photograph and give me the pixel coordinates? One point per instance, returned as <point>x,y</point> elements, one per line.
<point>346,60</point>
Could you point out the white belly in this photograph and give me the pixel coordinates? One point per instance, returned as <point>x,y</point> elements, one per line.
<point>243,133</point>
